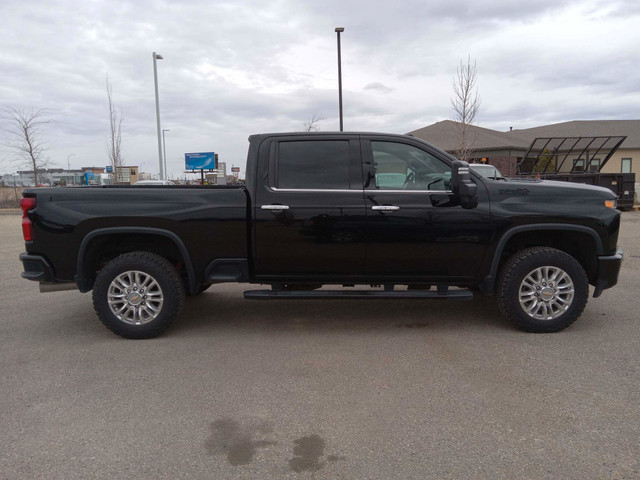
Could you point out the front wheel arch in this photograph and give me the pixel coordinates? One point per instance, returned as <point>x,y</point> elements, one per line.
<point>565,237</point>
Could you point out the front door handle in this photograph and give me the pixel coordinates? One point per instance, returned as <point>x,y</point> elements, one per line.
<point>275,207</point>
<point>385,208</point>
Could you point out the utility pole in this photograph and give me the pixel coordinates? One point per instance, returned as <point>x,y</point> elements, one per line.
<point>339,30</point>
<point>155,80</point>
<point>164,147</point>
<point>73,177</point>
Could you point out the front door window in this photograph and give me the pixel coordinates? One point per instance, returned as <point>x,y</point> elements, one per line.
<point>398,166</point>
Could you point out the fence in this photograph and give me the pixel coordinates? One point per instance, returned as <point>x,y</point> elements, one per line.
<point>10,197</point>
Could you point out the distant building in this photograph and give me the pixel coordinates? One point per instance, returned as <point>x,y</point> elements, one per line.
<point>506,149</point>
<point>496,147</point>
<point>219,177</point>
<point>60,177</point>
<point>126,175</point>
<point>51,177</point>
<point>625,160</point>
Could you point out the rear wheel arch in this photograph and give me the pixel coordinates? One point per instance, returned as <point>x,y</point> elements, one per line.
<point>93,252</point>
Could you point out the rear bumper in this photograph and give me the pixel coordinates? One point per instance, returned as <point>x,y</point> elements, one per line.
<point>36,268</point>
<point>608,270</point>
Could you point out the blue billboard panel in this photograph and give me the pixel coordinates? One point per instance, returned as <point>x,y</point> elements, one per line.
<point>200,161</point>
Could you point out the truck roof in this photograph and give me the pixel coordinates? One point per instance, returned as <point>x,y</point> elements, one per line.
<point>323,133</point>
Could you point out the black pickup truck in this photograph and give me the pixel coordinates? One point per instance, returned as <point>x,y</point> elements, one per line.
<point>387,212</point>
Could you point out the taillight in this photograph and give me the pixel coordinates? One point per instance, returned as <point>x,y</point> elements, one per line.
<point>26,204</point>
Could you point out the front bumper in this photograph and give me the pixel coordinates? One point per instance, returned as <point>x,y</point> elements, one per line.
<point>608,270</point>
<point>36,268</point>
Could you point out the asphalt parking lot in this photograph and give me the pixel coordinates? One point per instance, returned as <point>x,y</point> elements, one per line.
<point>307,389</point>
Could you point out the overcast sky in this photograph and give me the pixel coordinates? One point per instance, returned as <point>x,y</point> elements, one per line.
<point>235,68</point>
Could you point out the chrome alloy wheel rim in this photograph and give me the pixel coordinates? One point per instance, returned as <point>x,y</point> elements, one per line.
<point>546,293</point>
<point>135,297</point>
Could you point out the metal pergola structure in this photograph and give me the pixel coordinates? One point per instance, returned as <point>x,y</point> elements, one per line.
<point>544,153</point>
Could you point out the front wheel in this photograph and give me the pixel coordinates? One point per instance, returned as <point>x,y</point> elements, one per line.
<point>138,295</point>
<point>542,289</point>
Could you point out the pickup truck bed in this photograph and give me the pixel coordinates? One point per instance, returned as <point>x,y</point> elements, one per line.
<point>192,226</point>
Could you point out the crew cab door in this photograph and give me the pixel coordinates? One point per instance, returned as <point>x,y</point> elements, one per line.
<point>416,228</point>
<point>309,208</point>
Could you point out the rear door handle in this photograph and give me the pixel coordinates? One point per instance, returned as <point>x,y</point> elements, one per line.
<point>275,207</point>
<point>385,208</point>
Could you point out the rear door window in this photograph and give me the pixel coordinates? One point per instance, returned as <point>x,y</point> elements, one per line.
<point>313,164</point>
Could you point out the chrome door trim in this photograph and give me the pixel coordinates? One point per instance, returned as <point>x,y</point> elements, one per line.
<point>275,207</point>
<point>385,208</point>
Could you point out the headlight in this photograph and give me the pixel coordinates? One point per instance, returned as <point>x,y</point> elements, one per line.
<point>610,203</point>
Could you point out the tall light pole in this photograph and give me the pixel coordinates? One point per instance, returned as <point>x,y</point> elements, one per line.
<point>155,79</point>
<point>339,30</point>
<point>164,147</point>
<point>73,177</point>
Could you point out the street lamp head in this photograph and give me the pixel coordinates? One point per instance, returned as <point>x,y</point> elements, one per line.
<point>158,56</point>
<point>339,29</point>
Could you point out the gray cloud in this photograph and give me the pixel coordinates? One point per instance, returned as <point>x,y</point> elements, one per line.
<point>236,68</point>
<point>378,87</point>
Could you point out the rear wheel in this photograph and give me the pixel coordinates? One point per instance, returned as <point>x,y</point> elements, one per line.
<point>138,295</point>
<point>542,289</point>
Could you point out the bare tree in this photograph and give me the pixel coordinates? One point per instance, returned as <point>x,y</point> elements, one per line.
<point>26,136</point>
<point>465,104</point>
<point>114,140</point>
<point>312,124</point>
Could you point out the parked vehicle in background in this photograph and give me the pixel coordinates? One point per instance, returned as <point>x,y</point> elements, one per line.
<point>487,171</point>
<point>154,182</point>
<point>388,211</point>
<point>621,184</point>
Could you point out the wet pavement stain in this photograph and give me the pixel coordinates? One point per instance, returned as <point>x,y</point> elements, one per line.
<point>308,453</point>
<point>239,442</point>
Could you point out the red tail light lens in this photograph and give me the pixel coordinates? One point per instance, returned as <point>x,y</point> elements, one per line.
<point>26,204</point>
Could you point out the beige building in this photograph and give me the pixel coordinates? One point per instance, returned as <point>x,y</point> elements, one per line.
<point>506,149</point>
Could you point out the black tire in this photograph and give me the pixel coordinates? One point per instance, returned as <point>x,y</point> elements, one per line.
<point>154,312</point>
<point>561,308</point>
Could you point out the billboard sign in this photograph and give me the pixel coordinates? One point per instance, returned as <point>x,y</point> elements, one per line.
<point>200,161</point>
